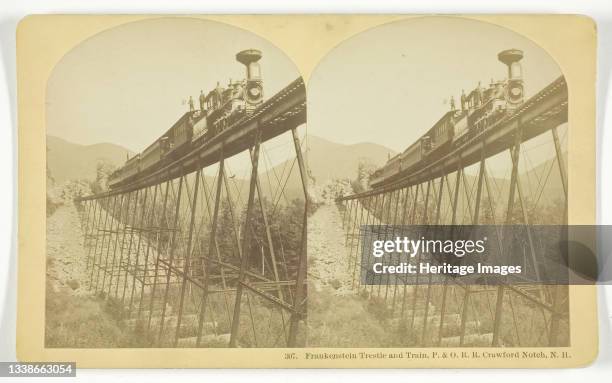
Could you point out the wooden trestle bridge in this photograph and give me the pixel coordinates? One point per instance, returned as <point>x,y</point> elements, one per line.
<point>189,262</point>
<point>454,313</point>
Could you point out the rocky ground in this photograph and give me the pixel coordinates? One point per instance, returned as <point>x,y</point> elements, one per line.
<point>74,317</point>
<point>66,260</point>
<point>327,255</point>
<point>337,315</point>
<point>340,316</point>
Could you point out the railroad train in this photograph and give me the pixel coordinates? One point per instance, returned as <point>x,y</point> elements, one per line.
<point>219,109</point>
<point>480,109</point>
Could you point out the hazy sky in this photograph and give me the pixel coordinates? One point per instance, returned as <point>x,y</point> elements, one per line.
<point>127,85</point>
<point>387,85</point>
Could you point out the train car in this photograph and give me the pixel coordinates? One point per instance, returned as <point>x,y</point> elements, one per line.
<point>383,174</point>
<point>115,177</point>
<point>152,155</point>
<point>200,128</point>
<point>132,167</point>
<point>441,134</point>
<point>393,167</point>
<point>461,129</point>
<point>413,155</point>
<point>180,133</point>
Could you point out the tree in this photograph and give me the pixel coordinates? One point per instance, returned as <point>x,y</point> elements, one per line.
<point>365,168</point>
<point>103,170</point>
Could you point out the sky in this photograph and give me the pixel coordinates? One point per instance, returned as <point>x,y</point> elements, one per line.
<point>390,84</point>
<point>129,84</point>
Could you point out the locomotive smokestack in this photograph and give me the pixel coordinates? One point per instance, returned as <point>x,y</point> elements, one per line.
<point>514,87</point>
<point>250,58</point>
<point>254,83</point>
<point>511,58</point>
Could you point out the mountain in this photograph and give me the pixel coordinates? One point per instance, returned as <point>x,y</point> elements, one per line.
<point>69,161</point>
<point>326,160</point>
<point>541,186</point>
<point>544,180</point>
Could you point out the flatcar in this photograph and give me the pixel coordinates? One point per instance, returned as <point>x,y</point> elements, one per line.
<point>220,109</point>
<point>480,109</point>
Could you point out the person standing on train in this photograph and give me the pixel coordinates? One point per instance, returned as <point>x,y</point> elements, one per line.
<point>202,101</point>
<point>479,94</point>
<point>191,106</point>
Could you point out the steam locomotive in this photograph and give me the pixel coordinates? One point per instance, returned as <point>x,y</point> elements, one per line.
<point>219,110</point>
<point>480,109</point>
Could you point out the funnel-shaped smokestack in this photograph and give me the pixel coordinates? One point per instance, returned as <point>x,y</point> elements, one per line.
<point>512,58</point>
<point>250,58</point>
<point>514,88</point>
<point>254,84</point>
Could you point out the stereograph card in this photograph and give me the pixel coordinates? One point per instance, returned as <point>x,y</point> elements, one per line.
<point>305,191</point>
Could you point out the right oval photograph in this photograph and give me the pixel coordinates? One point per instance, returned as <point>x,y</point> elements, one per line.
<point>437,159</point>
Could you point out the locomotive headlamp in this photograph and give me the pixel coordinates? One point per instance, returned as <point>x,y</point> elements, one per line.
<point>516,92</point>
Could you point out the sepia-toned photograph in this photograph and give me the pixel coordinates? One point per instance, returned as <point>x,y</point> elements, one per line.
<point>176,190</point>
<point>179,202</point>
<point>434,121</point>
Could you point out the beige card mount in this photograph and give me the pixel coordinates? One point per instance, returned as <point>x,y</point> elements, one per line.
<point>193,190</point>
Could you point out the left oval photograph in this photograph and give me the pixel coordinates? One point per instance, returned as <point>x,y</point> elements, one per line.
<point>176,202</point>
